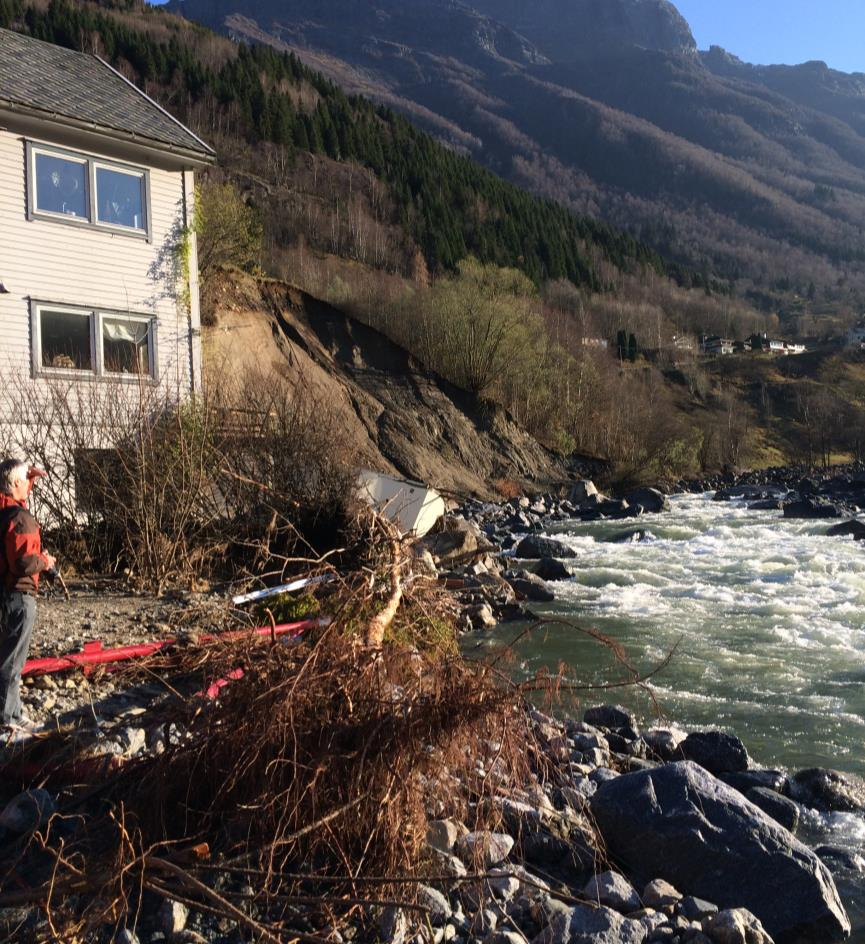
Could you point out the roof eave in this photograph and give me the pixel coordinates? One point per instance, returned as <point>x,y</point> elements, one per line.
<point>194,157</point>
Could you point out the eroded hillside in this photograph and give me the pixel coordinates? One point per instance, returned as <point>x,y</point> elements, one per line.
<point>397,416</point>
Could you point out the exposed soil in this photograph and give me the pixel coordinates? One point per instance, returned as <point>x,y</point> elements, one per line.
<point>397,416</point>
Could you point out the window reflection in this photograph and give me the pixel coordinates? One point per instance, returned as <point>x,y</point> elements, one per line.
<point>61,186</point>
<point>120,198</point>
<point>125,346</point>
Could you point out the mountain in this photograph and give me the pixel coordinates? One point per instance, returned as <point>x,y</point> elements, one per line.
<point>577,29</point>
<point>755,174</point>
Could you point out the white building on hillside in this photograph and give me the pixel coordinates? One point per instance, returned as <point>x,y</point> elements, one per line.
<point>98,266</point>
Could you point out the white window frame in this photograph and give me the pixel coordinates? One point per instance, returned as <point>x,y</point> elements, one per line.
<point>96,316</point>
<point>92,162</point>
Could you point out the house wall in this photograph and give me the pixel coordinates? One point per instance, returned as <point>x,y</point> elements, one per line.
<point>85,266</point>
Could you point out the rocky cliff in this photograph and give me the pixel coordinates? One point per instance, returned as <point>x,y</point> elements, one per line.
<point>572,29</point>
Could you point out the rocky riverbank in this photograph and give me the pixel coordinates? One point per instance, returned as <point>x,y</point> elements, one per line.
<point>623,834</point>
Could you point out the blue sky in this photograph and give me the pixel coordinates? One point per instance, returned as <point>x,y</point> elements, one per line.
<point>782,31</point>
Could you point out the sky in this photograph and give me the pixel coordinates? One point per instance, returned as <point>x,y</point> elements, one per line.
<point>782,31</point>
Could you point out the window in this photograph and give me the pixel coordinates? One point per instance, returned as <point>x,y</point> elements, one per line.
<point>79,189</point>
<point>61,185</point>
<point>66,339</point>
<point>120,198</point>
<point>125,346</point>
<point>92,342</point>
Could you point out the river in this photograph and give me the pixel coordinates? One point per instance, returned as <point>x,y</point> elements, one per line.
<point>767,619</point>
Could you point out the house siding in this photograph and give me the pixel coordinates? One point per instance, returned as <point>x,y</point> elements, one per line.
<point>82,266</point>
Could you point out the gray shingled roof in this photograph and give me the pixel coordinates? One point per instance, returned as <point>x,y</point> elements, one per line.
<point>41,77</point>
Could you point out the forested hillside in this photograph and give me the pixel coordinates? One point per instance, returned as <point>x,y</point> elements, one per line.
<point>752,175</point>
<point>581,332</point>
<point>446,204</point>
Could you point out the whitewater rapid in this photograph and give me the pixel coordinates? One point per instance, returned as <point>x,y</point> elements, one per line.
<point>763,621</point>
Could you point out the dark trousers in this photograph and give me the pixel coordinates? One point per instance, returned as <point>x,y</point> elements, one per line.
<point>17,616</point>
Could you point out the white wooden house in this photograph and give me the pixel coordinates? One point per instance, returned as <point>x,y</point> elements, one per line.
<point>98,267</point>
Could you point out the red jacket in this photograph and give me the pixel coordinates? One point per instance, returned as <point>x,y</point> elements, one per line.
<point>21,557</point>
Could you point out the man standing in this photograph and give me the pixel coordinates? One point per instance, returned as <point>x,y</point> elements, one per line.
<point>21,563</point>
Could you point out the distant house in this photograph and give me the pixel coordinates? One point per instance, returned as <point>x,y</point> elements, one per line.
<point>762,342</point>
<point>716,346</point>
<point>595,342</point>
<point>98,268</point>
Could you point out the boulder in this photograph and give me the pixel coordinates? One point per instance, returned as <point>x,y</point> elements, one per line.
<point>172,917</point>
<point>716,751</point>
<point>608,716</point>
<point>438,905</point>
<point>829,791</point>
<point>854,528</point>
<point>744,780</point>
<point>481,616</point>
<point>660,894</point>
<point>839,859</point>
<point>766,504</point>
<point>696,909</point>
<point>581,490</point>
<point>529,586</point>
<point>650,498</point>
<point>535,547</point>
<point>442,834</point>
<point>782,810</point>
<point>548,568</point>
<point>679,823</point>
<point>736,926</point>
<point>582,925</point>
<point>450,547</point>
<point>664,743</point>
<point>811,508</point>
<point>612,890</point>
<point>489,847</point>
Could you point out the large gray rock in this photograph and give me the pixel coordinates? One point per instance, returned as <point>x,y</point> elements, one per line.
<point>716,751</point>
<point>811,508</point>
<point>529,586</point>
<point>828,790</point>
<point>608,716</point>
<point>488,847</point>
<point>582,490</point>
<point>679,823</point>
<point>854,528</point>
<point>548,568</point>
<point>612,890</point>
<point>650,498</point>
<point>582,925</point>
<point>782,810</point>
<point>534,547</point>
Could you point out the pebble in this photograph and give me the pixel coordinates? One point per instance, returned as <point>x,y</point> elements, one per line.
<point>172,917</point>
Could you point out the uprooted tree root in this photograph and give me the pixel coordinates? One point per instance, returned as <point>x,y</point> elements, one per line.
<point>315,767</point>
